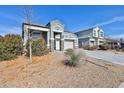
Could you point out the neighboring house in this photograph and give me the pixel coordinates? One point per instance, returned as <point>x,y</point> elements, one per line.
<point>53,33</point>
<point>122,45</point>
<point>114,43</point>
<point>90,37</point>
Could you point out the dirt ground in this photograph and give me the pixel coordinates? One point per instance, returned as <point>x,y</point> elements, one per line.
<point>49,71</point>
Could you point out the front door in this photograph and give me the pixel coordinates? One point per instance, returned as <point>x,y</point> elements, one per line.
<point>57,44</point>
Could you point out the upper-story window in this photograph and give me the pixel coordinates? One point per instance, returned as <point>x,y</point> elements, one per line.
<point>101,34</point>
<point>57,28</point>
<point>94,33</point>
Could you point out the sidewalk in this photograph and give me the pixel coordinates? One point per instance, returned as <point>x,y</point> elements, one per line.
<point>121,85</point>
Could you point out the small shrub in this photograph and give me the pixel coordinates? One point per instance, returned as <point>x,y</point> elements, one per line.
<point>122,49</point>
<point>69,52</point>
<point>117,49</point>
<point>38,48</point>
<point>90,47</point>
<point>73,57</point>
<point>10,47</point>
<point>105,46</point>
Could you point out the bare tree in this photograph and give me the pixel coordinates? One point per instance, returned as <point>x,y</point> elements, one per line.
<point>28,13</point>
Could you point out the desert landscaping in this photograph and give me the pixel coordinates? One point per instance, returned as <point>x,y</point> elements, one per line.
<point>61,46</point>
<point>47,56</point>
<point>49,71</point>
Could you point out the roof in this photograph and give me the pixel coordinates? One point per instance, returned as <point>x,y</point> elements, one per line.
<point>69,32</point>
<point>42,25</point>
<point>88,29</point>
<point>85,30</point>
<point>48,24</point>
<point>38,25</point>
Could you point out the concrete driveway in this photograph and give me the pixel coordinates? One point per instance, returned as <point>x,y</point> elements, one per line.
<point>107,56</point>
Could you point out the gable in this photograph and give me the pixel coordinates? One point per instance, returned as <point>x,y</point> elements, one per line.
<point>56,26</point>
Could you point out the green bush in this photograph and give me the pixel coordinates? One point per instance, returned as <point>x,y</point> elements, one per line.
<point>10,47</point>
<point>39,47</point>
<point>73,57</point>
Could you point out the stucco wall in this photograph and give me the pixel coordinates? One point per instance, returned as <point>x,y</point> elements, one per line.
<point>83,42</point>
<point>84,34</point>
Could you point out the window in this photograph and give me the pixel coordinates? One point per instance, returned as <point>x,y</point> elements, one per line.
<point>94,33</point>
<point>101,34</point>
<point>101,42</point>
<point>36,35</point>
<point>57,27</point>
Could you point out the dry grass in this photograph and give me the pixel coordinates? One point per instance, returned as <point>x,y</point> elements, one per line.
<point>49,71</point>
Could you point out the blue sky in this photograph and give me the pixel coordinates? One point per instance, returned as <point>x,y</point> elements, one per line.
<point>75,18</point>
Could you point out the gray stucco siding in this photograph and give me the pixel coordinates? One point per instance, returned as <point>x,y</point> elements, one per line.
<point>84,34</point>
<point>83,42</point>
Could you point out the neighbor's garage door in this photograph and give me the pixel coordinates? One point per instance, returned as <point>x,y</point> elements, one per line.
<point>68,44</point>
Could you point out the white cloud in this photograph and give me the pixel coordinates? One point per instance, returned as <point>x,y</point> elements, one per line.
<point>117,36</point>
<point>10,30</point>
<point>115,19</point>
<point>116,28</point>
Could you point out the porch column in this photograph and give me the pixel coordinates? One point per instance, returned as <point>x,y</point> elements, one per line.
<point>48,44</point>
<point>76,43</point>
<point>62,42</point>
<point>51,40</point>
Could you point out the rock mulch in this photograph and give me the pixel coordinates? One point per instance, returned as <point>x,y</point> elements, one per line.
<point>49,71</point>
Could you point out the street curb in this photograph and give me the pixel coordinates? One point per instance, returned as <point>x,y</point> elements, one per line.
<point>121,85</point>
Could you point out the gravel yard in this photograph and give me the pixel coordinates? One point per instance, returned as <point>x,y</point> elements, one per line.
<point>49,71</point>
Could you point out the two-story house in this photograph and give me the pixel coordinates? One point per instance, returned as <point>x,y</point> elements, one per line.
<point>53,33</point>
<point>90,37</point>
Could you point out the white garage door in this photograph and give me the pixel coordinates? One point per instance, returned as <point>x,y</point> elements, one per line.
<point>68,44</point>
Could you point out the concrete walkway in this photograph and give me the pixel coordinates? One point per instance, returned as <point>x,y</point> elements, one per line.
<point>107,56</point>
